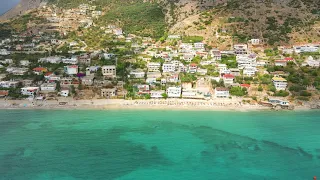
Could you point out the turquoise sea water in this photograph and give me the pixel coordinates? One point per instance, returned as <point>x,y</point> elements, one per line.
<point>157,145</point>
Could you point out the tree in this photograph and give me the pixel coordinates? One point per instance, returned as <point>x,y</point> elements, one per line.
<point>72,89</point>
<point>238,91</point>
<point>281,93</point>
<point>148,96</point>
<point>80,87</point>
<point>272,88</point>
<point>260,88</point>
<point>58,86</point>
<point>164,95</point>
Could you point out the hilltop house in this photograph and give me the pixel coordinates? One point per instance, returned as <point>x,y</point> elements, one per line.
<point>280,83</point>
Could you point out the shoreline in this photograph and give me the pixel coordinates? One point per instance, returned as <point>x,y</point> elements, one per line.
<point>156,104</point>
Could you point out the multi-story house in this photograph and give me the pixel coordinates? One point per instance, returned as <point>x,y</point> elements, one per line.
<point>108,93</point>
<point>168,67</point>
<point>240,48</point>
<point>228,79</point>
<point>279,83</point>
<point>249,71</point>
<point>109,71</point>
<point>174,92</point>
<point>221,92</point>
<point>71,70</point>
<point>154,67</point>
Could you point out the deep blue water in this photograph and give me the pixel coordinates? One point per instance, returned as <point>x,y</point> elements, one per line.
<point>81,145</point>
<point>6,5</point>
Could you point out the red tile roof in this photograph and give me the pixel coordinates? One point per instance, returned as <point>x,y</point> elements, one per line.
<point>228,76</point>
<point>48,74</point>
<point>40,69</point>
<point>245,85</point>
<point>4,93</point>
<point>288,59</point>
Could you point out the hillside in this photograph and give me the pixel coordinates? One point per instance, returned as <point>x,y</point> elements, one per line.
<point>221,22</point>
<point>275,21</point>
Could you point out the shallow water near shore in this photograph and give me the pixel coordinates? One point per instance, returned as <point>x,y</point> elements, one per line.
<point>144,144</point>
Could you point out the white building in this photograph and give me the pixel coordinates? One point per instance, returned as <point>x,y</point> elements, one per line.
<point>64,93</point>
<point>222,68</point>
<point>109,71</point>
<point>156,94</point>
<point>108,93</point>
<point>280,83</point>
<point>51,59</point>
<point>24,63</point>
<point>108,55</point>
<point>9,84</point>
<point>4,52</point>
<point>189,93</point>
<point>280,63</point>
<point>154,67</point>
<point>168,67</point>
<point>29,91</point>
<point>199,45</point>
<point>255,42</point>
<point>306,48</point>
<point>117,32</point>
<point>137,74</point>
<point>249,71</point>
<point>228,78</point>
<point>48,87</point>
<point>220,92</point>
<point>71,70</point>
<point>72,60</point>
<point>188,57</point>
<point>174,92</point>
<point>240,48</point>
<point>246,60</point>
<point>151,80</point>
<point>174,36</point>
<point>313,62</point>
<point>215,54</point>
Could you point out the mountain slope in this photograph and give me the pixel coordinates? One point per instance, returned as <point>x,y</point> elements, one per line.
<point>220,22</point>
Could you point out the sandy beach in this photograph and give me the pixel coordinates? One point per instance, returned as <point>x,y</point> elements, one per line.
<point>155,104</point>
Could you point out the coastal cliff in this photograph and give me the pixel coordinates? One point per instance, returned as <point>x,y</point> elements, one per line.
<point>22,8</point>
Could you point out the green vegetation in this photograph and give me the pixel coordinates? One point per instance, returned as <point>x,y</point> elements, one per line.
<point>281,93</point>
<point>238,91</point>
<point>186,77</point>
<point>192,39</point>
<point>230,61</point>
<point>144,19</point>
<point>18,24</point>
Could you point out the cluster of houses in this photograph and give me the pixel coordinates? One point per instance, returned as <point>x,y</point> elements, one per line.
<point>166,66</point>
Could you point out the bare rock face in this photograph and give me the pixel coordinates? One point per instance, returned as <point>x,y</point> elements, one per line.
<point>22,8</point>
